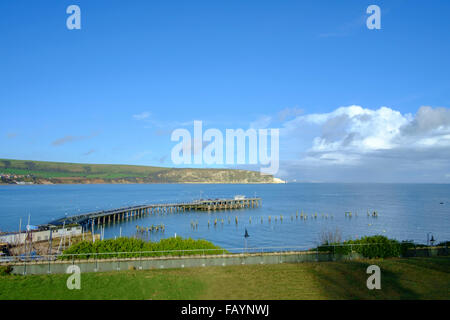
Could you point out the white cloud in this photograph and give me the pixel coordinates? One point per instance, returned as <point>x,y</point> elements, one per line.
<point>261,123</point>
<point>429,120</point>
<point>351,131</point>
<point>91,151</point>
<point>289,112</point>
<point>70,138</point>
<point>142,116</point>
<point>354,143</point>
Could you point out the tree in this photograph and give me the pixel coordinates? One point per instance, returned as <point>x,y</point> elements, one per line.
<point>87,169</point>
<point>30,165</point>
<point>6,164</point>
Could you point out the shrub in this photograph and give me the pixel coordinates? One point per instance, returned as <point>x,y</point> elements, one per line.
<point>369,247</point>
<point>327,237</point>
<point>444,244</point>
<point>134,247</point>
<point>5,270</point>
<point>405,246</point>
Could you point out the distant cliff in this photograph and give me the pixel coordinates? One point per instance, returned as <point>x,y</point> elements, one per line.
<point>43,172</point>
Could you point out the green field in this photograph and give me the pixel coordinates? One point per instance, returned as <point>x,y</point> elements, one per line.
<point>61,172</point>
<point>411,278</point>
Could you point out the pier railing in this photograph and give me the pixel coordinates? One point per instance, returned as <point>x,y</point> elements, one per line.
<point>121,214</point>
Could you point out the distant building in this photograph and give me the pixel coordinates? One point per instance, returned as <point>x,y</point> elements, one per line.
<point>40,235</point>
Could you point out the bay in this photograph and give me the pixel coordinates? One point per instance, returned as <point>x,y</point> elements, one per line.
<point>405,211</point>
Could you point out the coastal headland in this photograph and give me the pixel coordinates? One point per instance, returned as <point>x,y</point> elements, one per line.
<point>43,172</point>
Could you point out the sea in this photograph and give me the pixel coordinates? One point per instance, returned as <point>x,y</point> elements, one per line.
<point>410,212</point>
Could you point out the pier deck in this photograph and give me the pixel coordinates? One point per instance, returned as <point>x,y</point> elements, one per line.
<point>123,214</point>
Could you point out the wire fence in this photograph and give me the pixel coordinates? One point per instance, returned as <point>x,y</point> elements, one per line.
<point>365,249</point>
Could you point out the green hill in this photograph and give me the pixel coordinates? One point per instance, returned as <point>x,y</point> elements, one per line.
<point>43,172</point>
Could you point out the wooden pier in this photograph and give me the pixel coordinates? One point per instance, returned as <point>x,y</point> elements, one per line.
<point>124,214</point>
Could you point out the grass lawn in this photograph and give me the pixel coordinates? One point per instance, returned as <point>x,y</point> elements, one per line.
<point>412,278</point>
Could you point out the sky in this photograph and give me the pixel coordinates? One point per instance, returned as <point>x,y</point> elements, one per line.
<point>352,104</point>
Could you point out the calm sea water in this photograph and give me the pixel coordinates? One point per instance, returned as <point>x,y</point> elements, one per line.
<point>405,211</point>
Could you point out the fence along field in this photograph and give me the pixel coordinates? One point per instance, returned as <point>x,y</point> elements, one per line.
<point>111,255</point>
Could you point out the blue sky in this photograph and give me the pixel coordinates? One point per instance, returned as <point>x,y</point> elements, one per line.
<point>113,91</point>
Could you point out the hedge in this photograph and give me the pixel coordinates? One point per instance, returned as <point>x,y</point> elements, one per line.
<point>370,247</point>
<point>6,270</point>
<point>135,247</point>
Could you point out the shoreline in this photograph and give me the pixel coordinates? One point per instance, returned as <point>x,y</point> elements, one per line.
<point>126,183</point>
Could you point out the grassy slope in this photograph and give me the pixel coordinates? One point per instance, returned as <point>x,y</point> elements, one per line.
<point>412,278</point>
<point>61,170</point>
